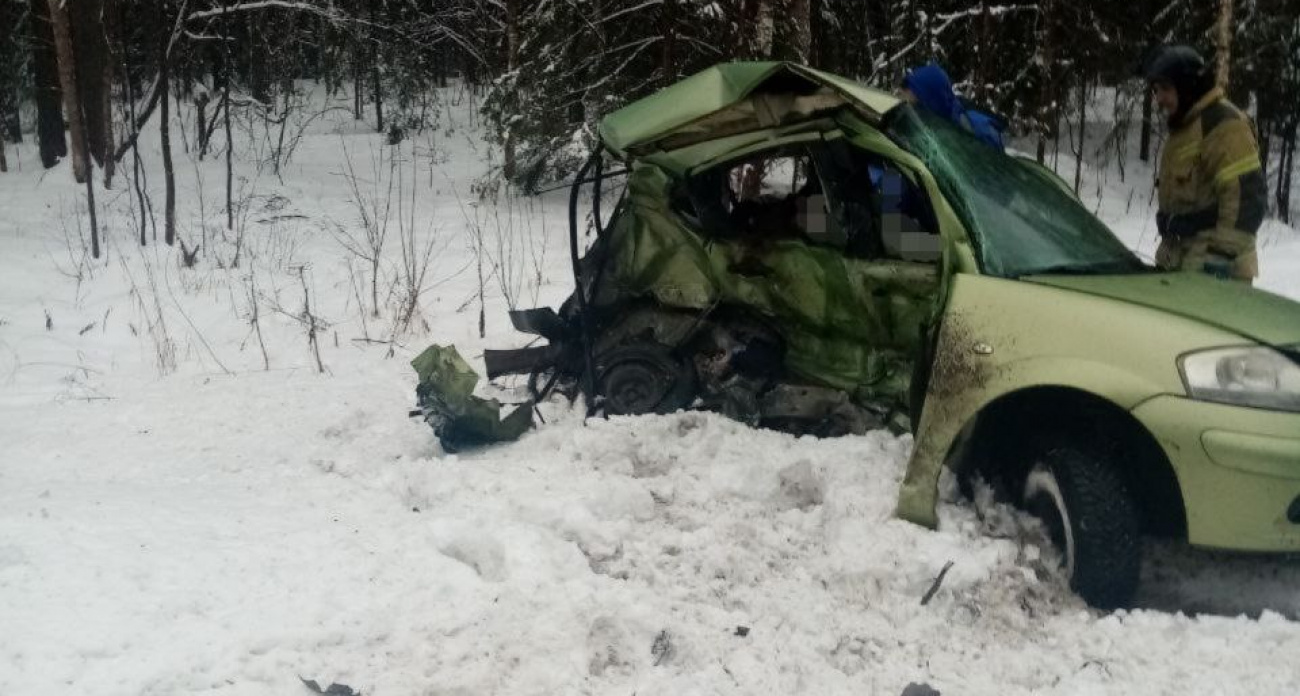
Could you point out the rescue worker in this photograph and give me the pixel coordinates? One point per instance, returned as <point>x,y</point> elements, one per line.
<point>1211,185</point>
<point>903,203</point>
<point>929,87</point>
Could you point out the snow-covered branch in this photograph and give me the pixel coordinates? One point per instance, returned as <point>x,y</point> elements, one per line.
<point>192,36</point>
<point>948,20</point>
<point>261,5</point>
<point>1160,16</point>
<point>997,11</point>
<point>629,10</point>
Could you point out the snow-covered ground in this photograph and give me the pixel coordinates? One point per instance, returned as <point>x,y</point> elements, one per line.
<point>180,514</point>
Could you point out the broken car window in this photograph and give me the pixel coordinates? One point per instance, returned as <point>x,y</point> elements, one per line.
<point>829,193</point>
<point>1021,221</point>
<point>766,195</point>
<point>775,177</point>
<point>909,230</point>
<point>814,193</point>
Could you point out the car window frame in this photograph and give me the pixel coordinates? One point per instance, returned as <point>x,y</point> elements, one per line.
<point>740,156</point>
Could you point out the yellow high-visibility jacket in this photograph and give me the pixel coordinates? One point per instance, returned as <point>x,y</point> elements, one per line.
<point>1210,172</point>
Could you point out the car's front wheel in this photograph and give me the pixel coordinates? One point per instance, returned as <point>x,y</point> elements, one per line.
<point>643,377</point>
<point>1092,518</point>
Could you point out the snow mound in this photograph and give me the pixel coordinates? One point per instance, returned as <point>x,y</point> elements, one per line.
<point>194,498</point>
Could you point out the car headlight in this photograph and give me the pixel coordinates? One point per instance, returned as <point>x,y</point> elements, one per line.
<point>1255,376</point>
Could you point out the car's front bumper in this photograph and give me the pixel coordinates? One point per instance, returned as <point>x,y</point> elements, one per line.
<point>1239,470</point>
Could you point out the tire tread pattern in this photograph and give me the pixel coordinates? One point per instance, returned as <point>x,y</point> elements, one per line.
<point>1106,523</point>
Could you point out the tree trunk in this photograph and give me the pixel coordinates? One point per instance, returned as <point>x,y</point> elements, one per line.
<point>4,164</point>
<point>201,120</point>
<point>259,79</point>
<point>11,126</point>
<point>74,96</point>
<point>164,127</point>
<point>287,71</point>
<point>105,102</point>
<point>45,83</point>
<point>225,107</point>
<point>668,50</point>
<point>1223,43</point>
<point>984,48</point>
<point>509,165</point>
<point>90,202</point>
<point>358,81</point>
<point>1281,170</point>
<point>1262,132</point>
<point>1083,125</point>
<point>1144,145</point>
<point>815,32</point>
<point>129,98</point>
<point>801,17</point>
<point>512,34</point>
<point>90,60</point>
<point>93,68</point>
<point>764,29</point>
<point>444,66</point>
<point>374,66</point>
<point>135,156</point>
<point>1056,141</point>
<point>1286,167</point>
<point>68,83</point>
<point>1046,109</point>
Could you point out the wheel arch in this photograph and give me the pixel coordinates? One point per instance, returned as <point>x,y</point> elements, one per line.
<point>999,439</point>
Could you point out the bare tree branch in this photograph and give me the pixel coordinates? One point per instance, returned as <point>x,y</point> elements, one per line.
<point>262,5</point>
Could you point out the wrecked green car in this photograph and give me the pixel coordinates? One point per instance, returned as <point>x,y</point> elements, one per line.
<point>799,251</point>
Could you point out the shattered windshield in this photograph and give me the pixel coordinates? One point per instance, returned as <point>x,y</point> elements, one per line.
<point>1021,218</point>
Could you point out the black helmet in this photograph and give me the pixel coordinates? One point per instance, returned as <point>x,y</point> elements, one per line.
<point>1173,64</point>
<point>1182,68</point>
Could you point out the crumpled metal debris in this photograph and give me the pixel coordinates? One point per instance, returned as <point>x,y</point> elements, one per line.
<point>448,404</point>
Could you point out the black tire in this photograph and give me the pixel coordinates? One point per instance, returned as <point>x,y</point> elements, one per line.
<point>643,377</point>
<point>1093,519</point>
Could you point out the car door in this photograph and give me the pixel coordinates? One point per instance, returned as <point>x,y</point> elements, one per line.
<point>800,231</point>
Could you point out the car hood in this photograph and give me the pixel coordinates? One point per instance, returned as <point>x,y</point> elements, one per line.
<point>1236,307</point>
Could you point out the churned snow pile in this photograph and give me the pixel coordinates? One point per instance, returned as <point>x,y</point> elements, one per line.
<point>181,512</point>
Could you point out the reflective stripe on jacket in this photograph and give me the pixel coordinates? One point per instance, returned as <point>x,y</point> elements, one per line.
<point>1210,173</point>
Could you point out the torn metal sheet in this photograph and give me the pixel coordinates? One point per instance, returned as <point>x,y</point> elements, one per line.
<point>448,404</point>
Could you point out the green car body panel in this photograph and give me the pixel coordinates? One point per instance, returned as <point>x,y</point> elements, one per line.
<point>1118,338</point>
<point>1234,307</point>
<point>842,317</point>
<point>1238,469</point>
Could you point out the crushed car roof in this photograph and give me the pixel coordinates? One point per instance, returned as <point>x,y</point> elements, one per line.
<point>732,98</point>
